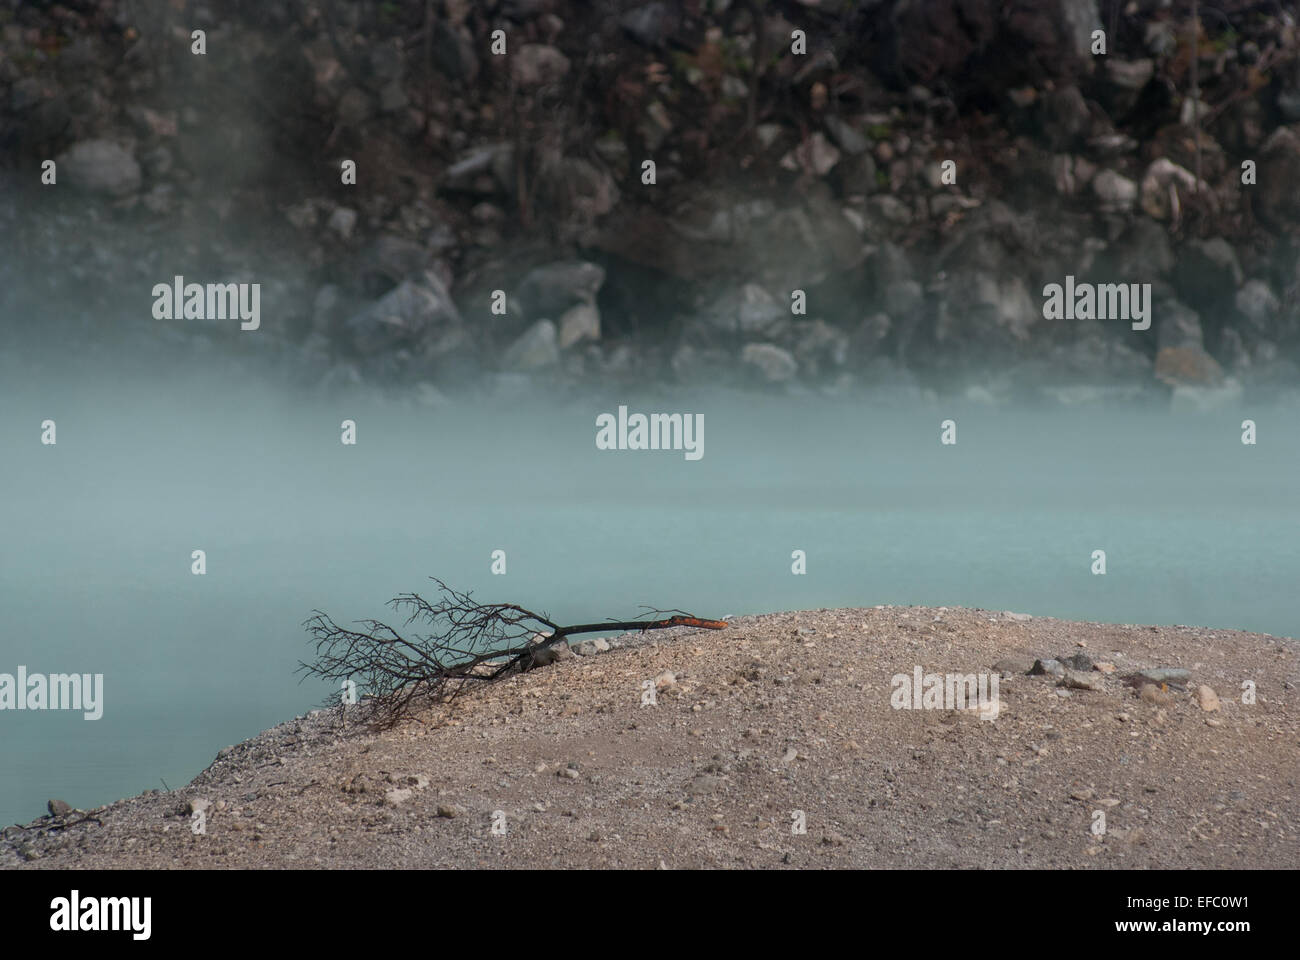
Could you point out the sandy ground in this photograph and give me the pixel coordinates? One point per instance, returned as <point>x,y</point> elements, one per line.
<point>777,722</point>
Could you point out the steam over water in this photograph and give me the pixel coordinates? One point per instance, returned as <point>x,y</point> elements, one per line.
<point>98,532</point>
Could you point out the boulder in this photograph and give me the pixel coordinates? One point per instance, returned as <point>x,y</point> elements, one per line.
<point>99,166</point>
<point>536,349</point>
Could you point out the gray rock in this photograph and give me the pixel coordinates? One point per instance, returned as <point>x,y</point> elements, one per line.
<point>749,311</point>
<point>1077,680</point>
<point>1079,662</point>
<point>1116,192</point>
<point>549,290</point>
<point>342,221</point>
<point>390,259</point>
<point>537,348</point>
<point>415,311</point>
<point>490,166</point>
<point>1257,302</point>
<point>888,207</point>
<point>580,322</point>
<point>1129,74</point>
<point>1051,668</point>
<point>450,811</point>
<point>775,363</point>
<point>846,137</point>
<point>58,808</point>
<point>651,24</point>
<point>99,166</point>
<point>537,64</point>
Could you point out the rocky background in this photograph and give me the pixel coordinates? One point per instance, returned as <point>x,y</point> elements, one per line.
<point>775,172</point>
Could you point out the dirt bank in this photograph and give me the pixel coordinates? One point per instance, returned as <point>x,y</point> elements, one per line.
<point>777,714</point>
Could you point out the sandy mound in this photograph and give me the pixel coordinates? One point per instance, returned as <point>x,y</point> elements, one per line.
<point>778,721</point>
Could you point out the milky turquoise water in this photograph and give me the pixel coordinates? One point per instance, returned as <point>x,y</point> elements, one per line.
<point>97,533</point>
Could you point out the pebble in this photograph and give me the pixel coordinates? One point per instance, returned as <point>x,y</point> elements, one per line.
<point>1078,680</point>
<point>665,680</point>
<point>449,811</point>
<point>1052,668</point>
<point>1207,698</point>
<point>58,808</point>
<point>1077,662</point>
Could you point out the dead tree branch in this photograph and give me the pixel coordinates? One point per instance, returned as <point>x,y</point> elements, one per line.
<point>467,642</point>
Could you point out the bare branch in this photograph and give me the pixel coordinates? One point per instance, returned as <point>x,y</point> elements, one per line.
<point>467,642</point>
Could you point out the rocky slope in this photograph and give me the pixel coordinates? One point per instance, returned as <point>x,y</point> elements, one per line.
<point>778,720</point>
<point>501,224</point>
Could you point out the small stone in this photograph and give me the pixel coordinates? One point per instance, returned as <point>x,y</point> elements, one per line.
<point>199,805</point>
<point>1082,793</point>
<point>395,798</point>
<point>58,808</point>
<point>342,220</point>
<point>1078,662</point>
<point>1104,667</point>
<point>790,754</point>
<point>536,348</point>
<point>450,811</point>
<point>1018,617</point>
<point>1077,680</point>
<point>665,680</point>
<point>567,773</point>
<point>1207,698</point>
<point>1052,668</point>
